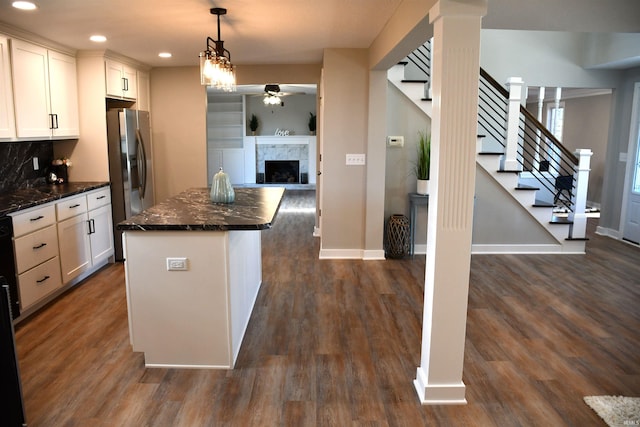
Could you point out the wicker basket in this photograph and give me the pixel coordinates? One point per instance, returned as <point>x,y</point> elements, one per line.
<point>397,239</point>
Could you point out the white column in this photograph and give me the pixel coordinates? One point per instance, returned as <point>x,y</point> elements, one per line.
<point>509,160</point>
<point>579,199</point>
<point>456,59</point>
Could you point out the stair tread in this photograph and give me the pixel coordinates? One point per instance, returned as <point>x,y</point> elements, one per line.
<point>426,99</point>
<point>489,153</point>
<point>403,62</point>
<point>557,220</point>
<point>526,187</point>
<point>577,239</point>
<point>414,81</point>
<point>543,205</point>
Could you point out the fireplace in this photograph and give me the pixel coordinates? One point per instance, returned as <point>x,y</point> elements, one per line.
<point>282,171</point>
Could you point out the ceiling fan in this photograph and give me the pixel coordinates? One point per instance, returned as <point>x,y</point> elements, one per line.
<point>272,95</point>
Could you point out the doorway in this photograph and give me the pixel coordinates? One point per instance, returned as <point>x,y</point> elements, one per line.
<point>631,223</point>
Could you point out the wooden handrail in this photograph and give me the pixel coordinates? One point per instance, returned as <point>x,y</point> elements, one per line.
<point>528,116</point>
<point>497,86</point>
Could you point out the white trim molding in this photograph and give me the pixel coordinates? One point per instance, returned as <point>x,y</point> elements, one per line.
<point>439,394</point>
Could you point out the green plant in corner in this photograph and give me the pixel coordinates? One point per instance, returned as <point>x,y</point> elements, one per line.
<point>253,123</point>
<point>423,161</point>
<point>312,122</point>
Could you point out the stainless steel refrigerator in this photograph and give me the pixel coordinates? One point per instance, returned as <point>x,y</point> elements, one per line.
<point>130,166</point>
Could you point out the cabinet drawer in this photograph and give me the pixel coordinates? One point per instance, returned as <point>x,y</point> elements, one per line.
<point>39,282</point>
<point>35,248</point>
<point>98,198</point>
<point>72,206</point>
<point>33,219</point>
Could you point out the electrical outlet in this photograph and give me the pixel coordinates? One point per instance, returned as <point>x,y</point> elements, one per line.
<point>177,264</point>
<point>36,164</point>
<point>355,159</point>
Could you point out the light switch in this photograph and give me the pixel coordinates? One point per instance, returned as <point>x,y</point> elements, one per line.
<point>355,159</point>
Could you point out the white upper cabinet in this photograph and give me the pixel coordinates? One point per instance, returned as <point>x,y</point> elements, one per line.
<point>7,121</point>
<point>63,85</point>
<point>121,80</point>
<point>45,92</point>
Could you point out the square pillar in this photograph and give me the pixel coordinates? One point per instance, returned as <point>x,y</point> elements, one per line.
<point>456,59</point>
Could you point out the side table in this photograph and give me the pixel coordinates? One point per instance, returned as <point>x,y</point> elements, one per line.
<point>415,200</point>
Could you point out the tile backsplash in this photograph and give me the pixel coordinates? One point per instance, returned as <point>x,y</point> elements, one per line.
<point>16,164</point>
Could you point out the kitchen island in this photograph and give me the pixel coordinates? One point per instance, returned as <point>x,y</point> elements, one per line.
<point>193,271</point>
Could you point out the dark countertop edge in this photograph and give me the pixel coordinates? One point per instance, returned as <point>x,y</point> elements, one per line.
<point>204,227</point>
<point>196,227</point>
<point>77,188</point>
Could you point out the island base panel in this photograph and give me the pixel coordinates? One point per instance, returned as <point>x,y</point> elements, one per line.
<point>191,318</point>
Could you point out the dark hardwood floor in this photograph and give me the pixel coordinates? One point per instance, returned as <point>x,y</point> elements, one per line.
<point>337,343</point>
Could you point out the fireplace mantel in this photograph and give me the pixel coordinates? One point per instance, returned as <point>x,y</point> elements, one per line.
<point>281,140</point>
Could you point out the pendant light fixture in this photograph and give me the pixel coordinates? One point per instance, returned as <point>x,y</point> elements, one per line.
<point>216,69</point>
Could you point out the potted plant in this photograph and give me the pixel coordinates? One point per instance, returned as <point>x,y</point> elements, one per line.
<point>423,162</point>
<point>312,123</point>
<point>253,124</point>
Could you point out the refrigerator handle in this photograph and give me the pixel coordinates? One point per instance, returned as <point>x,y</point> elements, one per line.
<point>142,162</point>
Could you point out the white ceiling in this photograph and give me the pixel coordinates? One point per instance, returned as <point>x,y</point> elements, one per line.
<point>278,31</point>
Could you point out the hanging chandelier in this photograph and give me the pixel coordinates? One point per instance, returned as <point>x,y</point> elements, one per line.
<point>216,69</point>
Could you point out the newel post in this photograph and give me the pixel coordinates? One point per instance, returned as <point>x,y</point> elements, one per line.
<point>579,198</point>
<point>510,158</point>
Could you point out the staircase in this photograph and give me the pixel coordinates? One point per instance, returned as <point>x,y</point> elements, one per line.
<point>533,139</point>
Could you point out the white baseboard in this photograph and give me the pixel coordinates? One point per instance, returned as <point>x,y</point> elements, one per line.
<point>515,249</point>
<point>609,232</point>
<point>373,255</point>
<point>341,253</point>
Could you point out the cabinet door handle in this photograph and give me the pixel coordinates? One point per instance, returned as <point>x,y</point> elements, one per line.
<point>74,206</point>
<point>51,121</point>
<point>36,218</point>
<point>125,84</point>
<point>101,197</point>
<point>41,245</point>
<point>55,121</point>
<point>92,226</point>
<point>43,279</point>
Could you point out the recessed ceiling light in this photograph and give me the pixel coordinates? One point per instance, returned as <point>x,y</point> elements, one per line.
<point>98,38</point>
<point>24,5</point>
<point>164,55</point>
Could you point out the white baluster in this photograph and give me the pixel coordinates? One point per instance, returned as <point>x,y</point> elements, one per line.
<point>509,160</point>
<point>579,198</point>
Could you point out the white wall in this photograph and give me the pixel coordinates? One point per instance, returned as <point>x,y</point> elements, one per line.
<point>404,118</point>
<point>345,131</point>
<point>541,58</point>
<point>293,116</point>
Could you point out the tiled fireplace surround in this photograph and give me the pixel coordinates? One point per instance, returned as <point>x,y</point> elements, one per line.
<point>298,147</point>
<point>298,152</point>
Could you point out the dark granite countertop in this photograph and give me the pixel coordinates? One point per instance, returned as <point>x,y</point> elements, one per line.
<point>253,209</point>
<point>39,195</point>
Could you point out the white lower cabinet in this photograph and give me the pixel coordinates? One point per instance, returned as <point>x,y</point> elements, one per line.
<point>36,248</point>
<point>56,242</point>
<point>101,234</point>
<point>86,239</point>
<point>39,282</point>
<point>75,250</point>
